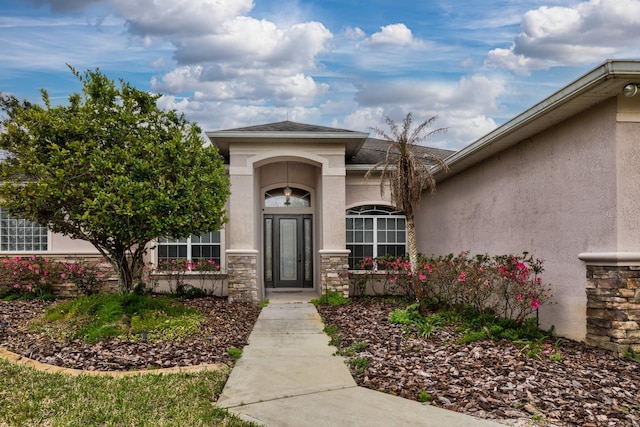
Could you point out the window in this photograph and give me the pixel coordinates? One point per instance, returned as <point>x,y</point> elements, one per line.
<point>20,235</point>
<point>287,197</point>
<point>192,248</point>
<point>374,231</point>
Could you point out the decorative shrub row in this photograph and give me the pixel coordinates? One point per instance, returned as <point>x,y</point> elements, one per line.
<point>175,273</point>
<point>507,286</point>
<point>35,276</point>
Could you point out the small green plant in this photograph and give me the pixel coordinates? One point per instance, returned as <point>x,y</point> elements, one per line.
<point>424,396</point>
<point>331,297</point>
<point>235,353</point>
<point>538,418</point>
<point>332,331</point>
<point>632,355</point>
<point>358,364</point>
<point>353,349</point>
<point>263,303</point>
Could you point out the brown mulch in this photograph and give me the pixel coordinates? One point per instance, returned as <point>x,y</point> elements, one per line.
<point>587,387</point>
<point>225,326</point>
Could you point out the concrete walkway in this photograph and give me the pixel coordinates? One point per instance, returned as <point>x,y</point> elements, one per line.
<point>288,376</point>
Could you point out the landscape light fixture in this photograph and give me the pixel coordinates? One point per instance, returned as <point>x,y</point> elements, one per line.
<point>630,90</point>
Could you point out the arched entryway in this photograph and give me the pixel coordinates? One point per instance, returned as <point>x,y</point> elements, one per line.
<point>288,211</point>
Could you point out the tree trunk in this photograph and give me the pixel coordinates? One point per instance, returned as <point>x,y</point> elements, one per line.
<point>411,240</point>
<point>129,267</point>
<point>413,254</point>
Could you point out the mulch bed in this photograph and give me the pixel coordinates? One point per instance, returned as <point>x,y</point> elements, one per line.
<point>587,387</point>
<point>225,326</point>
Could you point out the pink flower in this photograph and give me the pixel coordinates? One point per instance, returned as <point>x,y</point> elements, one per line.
<point>29,287</point>
<point>423,277</point>
<point>462,277</point>
<point>16,285</point>
<point>535,304</point>
<point>519,297</point>
<point>63,275</point>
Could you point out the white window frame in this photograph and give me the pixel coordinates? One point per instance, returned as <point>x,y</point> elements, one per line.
<point>375,212</point>
<point>168,241</point>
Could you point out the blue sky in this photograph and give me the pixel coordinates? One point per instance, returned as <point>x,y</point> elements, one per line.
<point>343,63</point>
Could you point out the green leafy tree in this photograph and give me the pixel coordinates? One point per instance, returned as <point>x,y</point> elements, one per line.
<point>110,168</point>
<point>406,169</point>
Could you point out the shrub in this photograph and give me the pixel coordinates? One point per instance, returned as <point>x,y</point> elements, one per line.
<point>175,272</point>
<point>89,277</point>
<point>28,277</point>
<point>506,286</point>
<point>122,316</point>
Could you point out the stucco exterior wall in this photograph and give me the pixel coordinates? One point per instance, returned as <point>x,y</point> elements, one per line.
<point>59,244</point>
<point>553,195</point>
<point>361,192</point>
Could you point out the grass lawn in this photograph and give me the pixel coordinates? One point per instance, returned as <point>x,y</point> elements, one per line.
<point>32,398</point>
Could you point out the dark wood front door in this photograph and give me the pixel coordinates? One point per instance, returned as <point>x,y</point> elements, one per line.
<point>288,251</point>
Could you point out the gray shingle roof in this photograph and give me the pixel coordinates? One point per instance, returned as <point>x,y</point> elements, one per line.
<point>375,150</point>
<point>287,126</point>
<point>360,151</point>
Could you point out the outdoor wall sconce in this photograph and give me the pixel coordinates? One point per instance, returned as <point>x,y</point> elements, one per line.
<point>630,90</point>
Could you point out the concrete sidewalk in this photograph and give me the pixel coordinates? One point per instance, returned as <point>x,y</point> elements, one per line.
<point>288,376</point>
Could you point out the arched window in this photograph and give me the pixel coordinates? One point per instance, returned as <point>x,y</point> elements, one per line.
<point>374,231</point>
<point>287,197</point>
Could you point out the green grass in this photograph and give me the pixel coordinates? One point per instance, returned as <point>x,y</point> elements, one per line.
<point>126,317</point>
<point>32,398</point>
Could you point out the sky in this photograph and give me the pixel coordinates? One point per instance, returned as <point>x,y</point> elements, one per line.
<point>348,64</point>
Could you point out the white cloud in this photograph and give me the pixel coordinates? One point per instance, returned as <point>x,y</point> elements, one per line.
<point>179,17</point>
<point>351,33</point>
<point>463,107</point>
<point>393,35</point>
<point>591,31</point>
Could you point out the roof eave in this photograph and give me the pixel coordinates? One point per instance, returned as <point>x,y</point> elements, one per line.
<point>352,140</point>
<point>545,114</point>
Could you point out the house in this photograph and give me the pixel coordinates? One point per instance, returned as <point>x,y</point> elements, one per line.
<point>559,181</point>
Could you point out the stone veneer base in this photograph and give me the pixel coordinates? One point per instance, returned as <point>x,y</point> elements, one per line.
<point>242,276</point>
<point>613,307</point>
<point>335,272</point>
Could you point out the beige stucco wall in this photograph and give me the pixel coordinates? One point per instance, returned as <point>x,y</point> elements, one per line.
<point>364,192</point>
<point>62,245</point>
<point>553,195</point>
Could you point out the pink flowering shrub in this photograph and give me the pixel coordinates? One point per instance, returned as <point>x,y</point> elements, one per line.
<point>506,286</point>
<point>89,277</point>
<point>27,277</point>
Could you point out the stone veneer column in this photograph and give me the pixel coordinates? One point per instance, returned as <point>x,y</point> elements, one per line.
<point>613,307</point>
<point>242,275</point>
<point>335,271</point>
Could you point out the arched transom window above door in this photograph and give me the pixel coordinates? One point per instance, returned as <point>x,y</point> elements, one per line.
<point>286,197</point>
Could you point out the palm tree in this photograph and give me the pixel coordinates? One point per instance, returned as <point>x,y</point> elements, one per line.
<point>408,171</point>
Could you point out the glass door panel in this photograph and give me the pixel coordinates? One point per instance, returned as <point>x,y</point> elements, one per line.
<point>288,249</point>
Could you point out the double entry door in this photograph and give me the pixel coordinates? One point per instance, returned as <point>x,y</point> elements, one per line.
<point>288,251</point>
